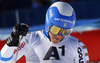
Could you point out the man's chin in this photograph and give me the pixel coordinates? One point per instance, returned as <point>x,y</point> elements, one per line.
<point>55,41</point>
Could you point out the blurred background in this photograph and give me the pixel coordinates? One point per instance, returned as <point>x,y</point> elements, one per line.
<point>32,12</point>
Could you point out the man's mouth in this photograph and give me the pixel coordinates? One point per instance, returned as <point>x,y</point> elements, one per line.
<point>56,38</point>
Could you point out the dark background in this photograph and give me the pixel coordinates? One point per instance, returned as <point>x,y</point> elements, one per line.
<point>32,14</point>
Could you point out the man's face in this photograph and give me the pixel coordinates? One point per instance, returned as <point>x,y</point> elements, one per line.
<point>55,39</point>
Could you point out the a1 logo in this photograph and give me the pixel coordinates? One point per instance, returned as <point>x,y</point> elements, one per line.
<point>53,50</point>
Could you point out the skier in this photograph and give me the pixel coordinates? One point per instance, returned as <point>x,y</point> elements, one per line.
<point>54,44</point>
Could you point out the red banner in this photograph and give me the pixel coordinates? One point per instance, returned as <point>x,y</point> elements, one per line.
<point>92,41</point>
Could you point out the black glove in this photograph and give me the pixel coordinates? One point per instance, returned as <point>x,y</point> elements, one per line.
<point>18,30</point>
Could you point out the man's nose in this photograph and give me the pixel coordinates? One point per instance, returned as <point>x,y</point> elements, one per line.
<point>59,35</point>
